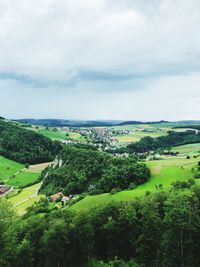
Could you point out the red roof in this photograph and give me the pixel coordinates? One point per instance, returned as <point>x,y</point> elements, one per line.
<point>56,196</point>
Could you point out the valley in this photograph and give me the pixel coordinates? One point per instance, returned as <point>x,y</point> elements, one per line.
<point>97,184</point>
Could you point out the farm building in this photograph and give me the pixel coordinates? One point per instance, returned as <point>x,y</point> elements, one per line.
<point>56,197</point>
<point>3,189</point>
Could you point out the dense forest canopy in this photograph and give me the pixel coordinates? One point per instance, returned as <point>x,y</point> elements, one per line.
<point>163,142</point>
<point>161,230</point>
<point>84,169</point>
<point>26,146</point>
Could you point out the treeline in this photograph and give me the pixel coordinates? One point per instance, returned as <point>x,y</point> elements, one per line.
<point>190,126</point>
<point>147,143</point>
<point>85,169</point>
<point>158,230</point>
<point>26,146</point>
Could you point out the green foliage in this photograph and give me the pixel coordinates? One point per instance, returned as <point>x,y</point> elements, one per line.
<point>115,263</point>
<point>183,184</point>
<point>85,169</point>
<point>143,232</point>
<point>163,142</point>
<point>25,146</point>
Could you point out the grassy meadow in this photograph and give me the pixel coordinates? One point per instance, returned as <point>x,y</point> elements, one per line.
<point>25,198</point>
<point>61,135</point>
<point>8,168</point>
<point>16,175</point>
<point>137,135</point>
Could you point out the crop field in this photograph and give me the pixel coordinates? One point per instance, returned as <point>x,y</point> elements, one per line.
<point>165,172</point>
<point>37,168</point>
<point>137,135</point>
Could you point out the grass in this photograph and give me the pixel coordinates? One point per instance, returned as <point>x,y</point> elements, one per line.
<point>8,168</point>
<point>54,135</point>
<point>190,149</point>
<point>16,175</point>
<point>21,209</point>
<point>136,136</point>
<point>25,198</point>
<point>164,172</point>
<point>61,135</point>
<point>23,179</point>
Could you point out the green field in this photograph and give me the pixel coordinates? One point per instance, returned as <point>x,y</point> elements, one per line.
<point>15,174</point>
<point>8,168</point>
<point>61,135</point>
<point>23,179</point>
<point>25,198</point>
<point>54,135</point>
<point>163,171</point>
<point>137,135</point>
<point>190,149</point>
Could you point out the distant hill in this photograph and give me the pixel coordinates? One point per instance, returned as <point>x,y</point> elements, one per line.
<point>25,146</point>
<point>68,123</point>
<point>140,122</point>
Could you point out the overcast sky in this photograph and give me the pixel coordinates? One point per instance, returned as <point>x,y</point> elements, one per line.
<point>100,59</point>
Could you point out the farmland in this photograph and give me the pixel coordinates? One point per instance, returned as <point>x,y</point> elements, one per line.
<point>15,174</point>
<point>25,198</point>
<point>164,171</point>
<point>190,149</point>
<point>8,168</point>
<point>60,134</point>
<point>137,135</point>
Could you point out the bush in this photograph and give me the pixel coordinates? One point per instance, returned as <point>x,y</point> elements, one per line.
<point>95,192</point>
<point>114,191</point>
<point>132,186</point>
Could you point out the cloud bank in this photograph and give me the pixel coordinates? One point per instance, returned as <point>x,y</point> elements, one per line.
<point>100,59</point>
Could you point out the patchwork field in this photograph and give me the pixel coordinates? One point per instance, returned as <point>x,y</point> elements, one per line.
<point>137,135</point>
<point>164,172</point>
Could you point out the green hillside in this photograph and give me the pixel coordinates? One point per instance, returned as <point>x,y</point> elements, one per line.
<point>25,146</point>
<point>165,172</point>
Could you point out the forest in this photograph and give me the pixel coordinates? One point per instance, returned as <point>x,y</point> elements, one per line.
<point>157,230</point>
<point>26,146</point>
<point>161,143</point>
<point>85,169</point>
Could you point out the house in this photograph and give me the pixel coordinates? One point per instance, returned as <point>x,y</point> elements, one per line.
<point>66,199</point>
<point>56,197</point>
<point>3,189</point>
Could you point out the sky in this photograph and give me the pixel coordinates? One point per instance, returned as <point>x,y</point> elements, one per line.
<point>100,59</point>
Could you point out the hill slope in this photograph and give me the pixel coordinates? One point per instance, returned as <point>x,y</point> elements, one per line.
<point>25,146</point>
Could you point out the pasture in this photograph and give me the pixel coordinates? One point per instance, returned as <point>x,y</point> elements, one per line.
<point>8,168</point>
<point>25,198</point>
<point>137,135</point>
<point>23,179</point>
<point>16,175</point>
<point>190,149</point>
<point>61,135</point>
